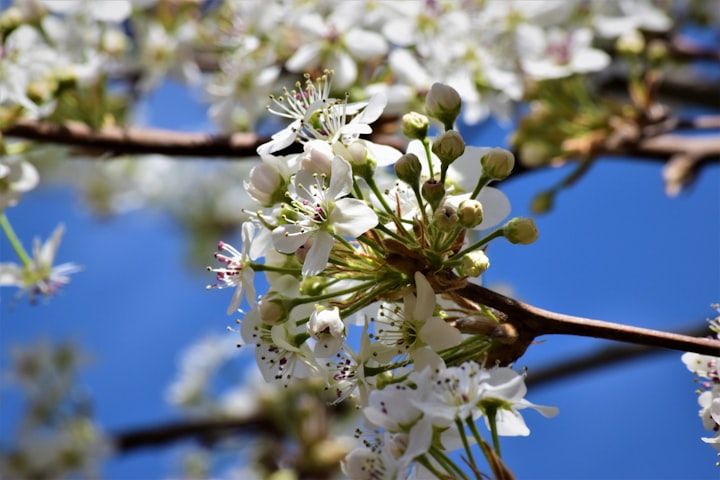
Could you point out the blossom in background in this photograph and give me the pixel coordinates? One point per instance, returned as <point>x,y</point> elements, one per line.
<point>39,277</point>
<point>17,176</point>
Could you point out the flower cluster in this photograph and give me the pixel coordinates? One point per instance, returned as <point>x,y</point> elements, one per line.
<point>707,370</point>
<point>360,239</point>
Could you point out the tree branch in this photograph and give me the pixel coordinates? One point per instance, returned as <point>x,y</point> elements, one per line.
<point>532,322</point>
<point>207,431</point>
<point>129,140</point>
<point>600,358</point>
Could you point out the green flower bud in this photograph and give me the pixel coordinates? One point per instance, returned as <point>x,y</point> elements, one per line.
<point>497,163</point>
<point>357,155</point>
<point>273,308</point>
<point>543,202</point>
<point>445,217</point>
<point>443,103</point>
<point>408,169</point>
<point>448,146</point>
<point>470,213</point>
<point>433,191</point>
<point>415,126</point>
<point>521,230</point>
<point>474,264</point>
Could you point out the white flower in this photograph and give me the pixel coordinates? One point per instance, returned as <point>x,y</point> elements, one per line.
<point>503,393</point>
<point>39,276</point>
<point>277,351</point>
<point>557,53</point>
<point>335,42</point>
<point>328,329</point>
<point>450,393</point>
<point>415,326</point>
<point>237,271</point>
<point>322,213</point>
<point>315,115</point>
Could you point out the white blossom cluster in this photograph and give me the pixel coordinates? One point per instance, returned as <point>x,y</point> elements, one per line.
<point>488,51</point>
<point>361,265</point>
<point>707,370</point>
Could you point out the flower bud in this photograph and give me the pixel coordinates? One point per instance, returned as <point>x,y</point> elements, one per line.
<point>273,308</point>
<point>433,191</point>
<point>408,169</point>
<point>326,326</point>
<point>474,264</point>
<point>543,202</point>
<point>443,103</point>
<point>357,155</point>
<point>445,217</point>
<point>470,213</point>
<point>497,163</point>
<point>521,230</point>
<point>415,126</point>
<point>448,147</point>
<point>266,185</point>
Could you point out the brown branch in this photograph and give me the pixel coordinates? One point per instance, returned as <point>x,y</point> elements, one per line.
<point>118,140</point>
<point>207,431</point>
<point>532,322</point>
<point>600,358</point>
<point>129,140</point>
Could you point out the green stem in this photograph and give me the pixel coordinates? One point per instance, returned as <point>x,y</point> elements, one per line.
<point>482,181</point>
<point>492,420</point>
<point>261,267</point>
<point>497,233</point>
<point>446,463</point>
<point>14,241</point>
<point>466,444</point>
<point>428,155</point>
<point>327,296</point>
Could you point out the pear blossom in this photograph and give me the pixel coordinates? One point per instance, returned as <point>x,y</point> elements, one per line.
<point>504,393</point>
<point>39,277</point>
<point>237,271</point>
<point>322,213</point>
<point>279,352</point>
<point>415,325</point>
<point>328,329</point>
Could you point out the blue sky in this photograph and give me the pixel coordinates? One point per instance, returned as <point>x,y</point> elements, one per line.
<point>615,248</point>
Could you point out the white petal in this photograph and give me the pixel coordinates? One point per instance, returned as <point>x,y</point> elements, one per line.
<point>304,58</point>
<point>425,304</point>
<point>340,179</point>
<point>352,217</point>
<point>317,257</point>
<point>365,45</point>
<point>496,207</point>
<point>288,238</point>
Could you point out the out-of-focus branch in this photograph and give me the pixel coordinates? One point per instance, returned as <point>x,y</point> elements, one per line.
<point>118,140</point>
<point>128,140</point>
<point>531,322</point>
<point>207,431</point>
